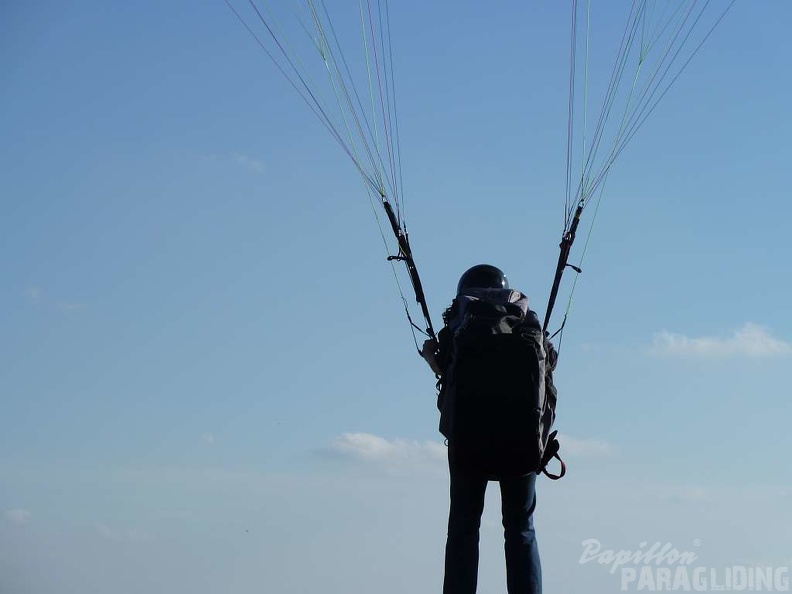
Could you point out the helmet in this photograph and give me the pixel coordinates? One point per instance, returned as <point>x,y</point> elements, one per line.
<point>483,276</point>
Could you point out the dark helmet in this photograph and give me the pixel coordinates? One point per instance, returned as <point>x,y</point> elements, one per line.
<point>483,276</point>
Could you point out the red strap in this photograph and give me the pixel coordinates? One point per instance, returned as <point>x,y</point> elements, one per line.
<point>555,477</point>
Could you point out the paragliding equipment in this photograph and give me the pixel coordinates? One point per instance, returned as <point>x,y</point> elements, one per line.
<point>367,133</point>
<point>563,262</point>
<point>659,40</point>
<point>405,255</point>
<point>482,276</point>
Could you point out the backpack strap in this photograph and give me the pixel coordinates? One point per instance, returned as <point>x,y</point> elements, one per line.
<point>551,451</point>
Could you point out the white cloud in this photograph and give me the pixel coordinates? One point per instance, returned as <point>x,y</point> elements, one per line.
<point>364,446</point>
<point>249,163</point>
<point>66,306</point>
<point>208,438</point>
<point>131,535</point>
<point>368,447</point>
<point>578,448</point>
<point>137,535</point>
<point>751,340</point>
<point>35,294</point>
<point>108,532</point>
<point>685,494</point>
<point>17,516</point>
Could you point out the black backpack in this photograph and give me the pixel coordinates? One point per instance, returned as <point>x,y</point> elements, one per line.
<point>497,399</point>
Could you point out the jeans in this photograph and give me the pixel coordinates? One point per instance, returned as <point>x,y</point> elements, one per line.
<point>518,501</point>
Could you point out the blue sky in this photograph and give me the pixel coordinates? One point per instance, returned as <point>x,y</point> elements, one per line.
<point>206,379</point>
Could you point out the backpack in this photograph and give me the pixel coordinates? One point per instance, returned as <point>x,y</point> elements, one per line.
<point>497,399</point>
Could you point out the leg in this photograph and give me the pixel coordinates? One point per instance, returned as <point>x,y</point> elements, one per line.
<point>464,520</point>
<point>523,569</point>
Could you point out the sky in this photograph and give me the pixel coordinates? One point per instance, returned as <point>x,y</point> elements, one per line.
<point>207,381</point>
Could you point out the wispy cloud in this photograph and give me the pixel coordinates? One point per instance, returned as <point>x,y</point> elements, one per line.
<point>208,438</point>
<point>578,448</point>
<point>69,307</point>
<point>33,293</point>
<point>36,295</point>
<point>131,535</point>
<point>250,163</point>
<point>372,448</point>
<point>688,494</point>
<point>17,516</point>
<point>246,161</point>
<point>685,494</point>
<point>365,446</point>
<point>751,340</point>
<point>108,533</point>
